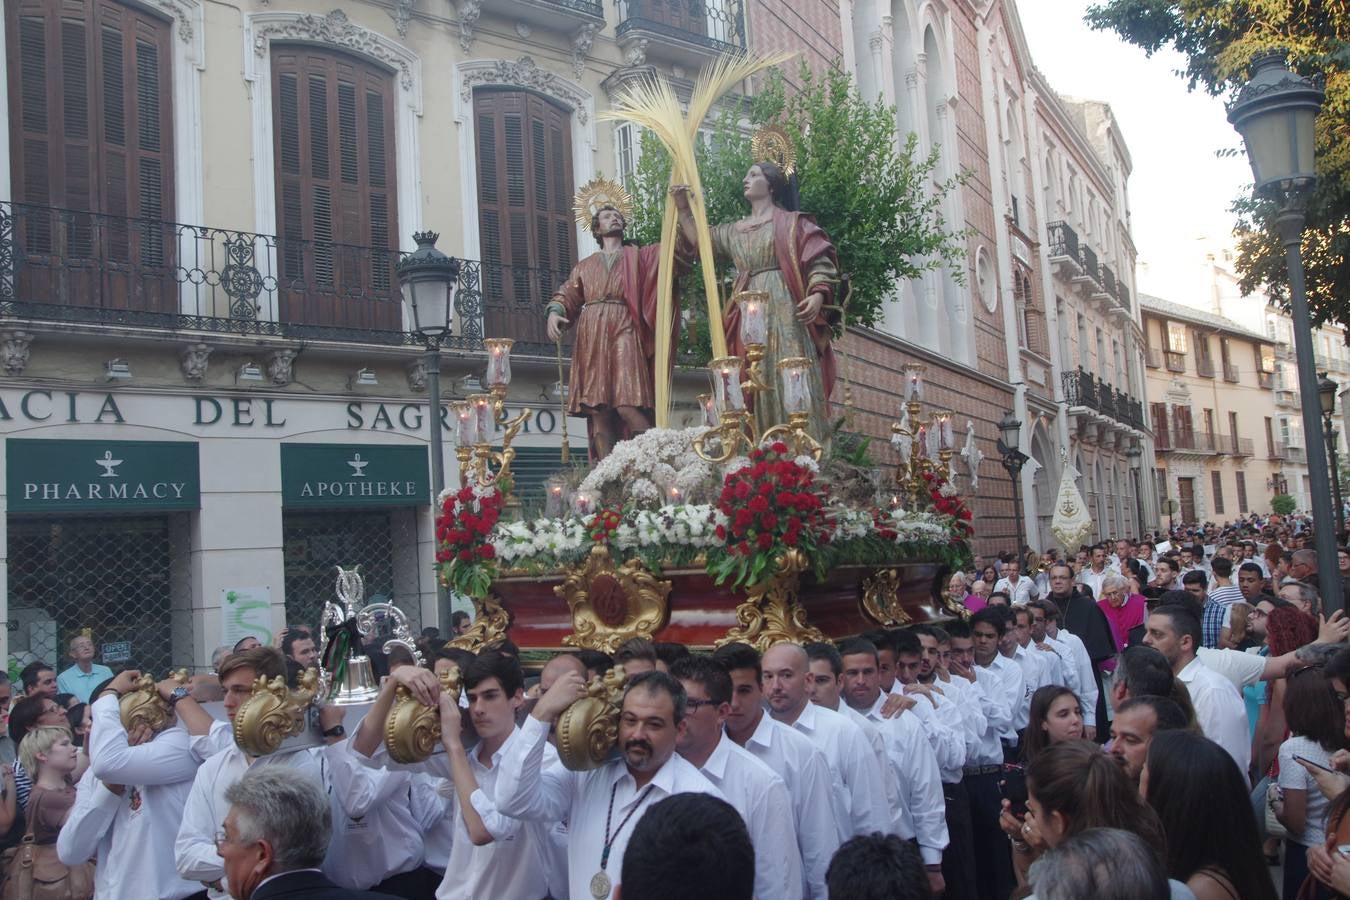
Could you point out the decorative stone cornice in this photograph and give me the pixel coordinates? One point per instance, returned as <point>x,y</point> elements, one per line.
<point>336,29</point>
<point>279,365</point>
<point>525,73</point>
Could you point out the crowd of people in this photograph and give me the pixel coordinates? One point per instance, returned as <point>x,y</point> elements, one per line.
<point>1154,718</point>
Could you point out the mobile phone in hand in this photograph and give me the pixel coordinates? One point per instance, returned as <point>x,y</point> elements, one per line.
<point>1013,788</point>
<point>1304,759</point>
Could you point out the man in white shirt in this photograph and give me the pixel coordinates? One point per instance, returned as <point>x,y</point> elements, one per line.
<point>1040,664</point>
<point>1175,632</point>
<point>1074,657</point>
<point>909,754</point>
<point>859,783</point>
<point>1092,574</point>
<point>602,805</point>
<point>757,793</point>
<point>940,717</point>
<point>790,754</point>
<point>1035,673</point>
<point>195,850</point>
<point>1018,588</point>
<point>132,796</point>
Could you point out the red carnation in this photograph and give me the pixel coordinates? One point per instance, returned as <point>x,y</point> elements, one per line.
<point>487,551</point>
<point>768,521</point>
<point>759,504</point>
<point>721,533</point>
<point>465,555</point>
<point>765,541</point>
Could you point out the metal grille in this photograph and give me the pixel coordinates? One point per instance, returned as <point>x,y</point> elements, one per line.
<point>123,578</point>
<point>383,543</point>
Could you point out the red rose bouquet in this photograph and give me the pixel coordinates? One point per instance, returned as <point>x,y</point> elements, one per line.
<point>948,502</point>
<point>772,505</point>
<point>465,555</point>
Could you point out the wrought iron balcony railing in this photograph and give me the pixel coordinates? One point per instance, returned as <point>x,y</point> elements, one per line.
<point>1277,451</point>
<point>1089,258</point>
<point>1063,241</point>
<point>1204,367</point>
<point>73,266</point>
<point>718,25</point>
<point>1082,388</point>
<point>1108,280</point>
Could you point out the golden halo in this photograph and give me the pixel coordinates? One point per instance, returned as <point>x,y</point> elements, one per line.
<point>772,144</point>
<point>597,193</point>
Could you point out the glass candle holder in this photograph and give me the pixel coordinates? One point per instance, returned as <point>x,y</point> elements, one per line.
<point>754,322</point>
<point>499,361</point>
<point>794,375</point>
<point>913,383</point>
<point>583,503</point>
<point>466,423</point>
<point>726,375</point>
<point>945,436</point>
<point>674,496</point>
<point>709,408</point>
<point>484,417</point>
<point>553,497</point>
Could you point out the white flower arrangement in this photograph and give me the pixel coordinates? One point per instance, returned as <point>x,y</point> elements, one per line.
<point>645,468</point>
<point>847,522</point>
<point>919,526</point>
<point>549,540</point>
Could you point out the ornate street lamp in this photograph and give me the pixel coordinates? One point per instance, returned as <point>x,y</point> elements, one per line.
<point>1136,457</point>
<point>1010,436</point>
<point>1326,392</point>
<point>428,278</point>
<point>1275,112</point>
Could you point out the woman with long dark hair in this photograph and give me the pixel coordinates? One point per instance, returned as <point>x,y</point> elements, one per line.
<point>1056,716</point>
<point>1316,731</point>
<point>1202,800</point>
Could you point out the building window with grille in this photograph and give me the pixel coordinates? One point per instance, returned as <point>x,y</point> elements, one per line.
<point>1242,491</point>
<point>627,152</point>
<point>336,189</point>
<point>1216,487</point>
<point>525,225</point>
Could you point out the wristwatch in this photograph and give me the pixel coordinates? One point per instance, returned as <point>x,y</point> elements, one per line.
<point>179,693</point>
<point>335,731</point>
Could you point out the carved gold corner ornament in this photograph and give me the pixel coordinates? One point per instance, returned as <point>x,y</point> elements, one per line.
<point>412,730</point>
<point>588,729</point>
<point>490,624</point>
<point>142,705</point>
<point>610,605</point>
<point>771,613</point>
<point>881,599</point>
<point>273,713</point>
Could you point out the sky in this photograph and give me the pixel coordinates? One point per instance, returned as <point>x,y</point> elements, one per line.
<point>1179,190</point>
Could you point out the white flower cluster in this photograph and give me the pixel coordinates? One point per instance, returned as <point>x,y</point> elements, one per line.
<point>646,468</point>
<point>693,525</point>
<point>847,522</point>
<point>919,526</point>
<point>948,489</point>
<point>515,541</point>
<point>480,493</point>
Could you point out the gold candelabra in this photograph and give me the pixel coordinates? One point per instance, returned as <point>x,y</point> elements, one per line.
<point>925,445</point>
<point>478,418</point>
<point>732,425</point>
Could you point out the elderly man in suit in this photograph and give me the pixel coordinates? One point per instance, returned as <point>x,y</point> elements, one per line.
<point>275,837</point>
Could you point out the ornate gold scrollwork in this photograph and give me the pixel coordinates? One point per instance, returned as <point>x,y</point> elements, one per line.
<point>771,613</point>
<point>142,705</point>
<point>881,599</point>
<point>587,729</point>
<point>273,713</point>
<point>955,607</point>
<point>610,605</point>
<point>412,730</point>
<point>490,623</point>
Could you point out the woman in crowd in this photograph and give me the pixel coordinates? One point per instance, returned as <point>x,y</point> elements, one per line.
<point>1201,798</point>
<point>989,575</point>
<point>1287,629</point>
<point>1056,716</point>
<point>1071,787</point>
<point>1236,635</point>
<point>1316,731</point>
<point>49,756</point>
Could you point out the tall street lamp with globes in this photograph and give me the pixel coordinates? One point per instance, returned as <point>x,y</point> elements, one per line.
<point>1326,392</point>
<point>1276,113</point>
<point>1010,436</point>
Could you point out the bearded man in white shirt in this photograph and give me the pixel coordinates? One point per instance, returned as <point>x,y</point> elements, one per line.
<point>757,793</point>
<point>602,805</point>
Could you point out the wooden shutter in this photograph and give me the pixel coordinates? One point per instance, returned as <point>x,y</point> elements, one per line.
<point>92,132</point>
<point>337,221</point>
<point>525,227</point>
<point>1160,429</point>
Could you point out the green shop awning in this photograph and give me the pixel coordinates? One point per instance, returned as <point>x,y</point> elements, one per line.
<point>101,476</point>
<point>335,475</point>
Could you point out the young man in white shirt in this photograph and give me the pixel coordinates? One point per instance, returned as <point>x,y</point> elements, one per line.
<point>1041,664</point>
<point>757,793</point>
<point>1073,656</point>
<point>1019,588</point>
<point>601,806</point>
<point>909,754</point>
<point>790,754</point>
<point>1092,574</point>
<point>1219,709</point>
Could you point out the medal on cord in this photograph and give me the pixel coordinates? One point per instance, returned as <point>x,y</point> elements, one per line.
<point>600,883</point>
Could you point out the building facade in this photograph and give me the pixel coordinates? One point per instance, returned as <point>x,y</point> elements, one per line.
<point>1212,402</point>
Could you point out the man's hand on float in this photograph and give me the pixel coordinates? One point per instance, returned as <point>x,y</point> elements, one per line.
<point>680,194</point>
<point>557,324</point>
<point>424,686</point>
<point>568,689</point>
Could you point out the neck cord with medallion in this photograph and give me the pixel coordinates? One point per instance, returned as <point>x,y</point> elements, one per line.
<point>600,883</point>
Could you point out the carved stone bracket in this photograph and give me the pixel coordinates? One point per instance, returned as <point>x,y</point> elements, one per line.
<point>417,375</point>
<point>617,82</point>
<point>490,624</point>
<point>634,51</point>
<point>468,12</point>
<point>402,15</point>
<point>279,366</point>
<point>14,345</point>
<point>193,362</point>
<point>610,605</point>
<point>771,613</point>
<point>881,599</point>
<point>582,39</point>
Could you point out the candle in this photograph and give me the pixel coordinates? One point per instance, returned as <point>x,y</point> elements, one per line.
<point>923,441</point>
<point>583,503</point>
<point>484,417</point>
<point>553,498</point>
<point>727,384</point>
<point>754,325</point>
<point>945,435</point>
<point>796,386</point>
<point>914,383</point>
<point>674,496</point>
<point>466,424</point>
<point>709,407</point>
<point>499,361</point>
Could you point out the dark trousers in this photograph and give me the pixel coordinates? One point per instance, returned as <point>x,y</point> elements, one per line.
<point>958,860</point>
<point>994,876</point>
<point>418,884</point>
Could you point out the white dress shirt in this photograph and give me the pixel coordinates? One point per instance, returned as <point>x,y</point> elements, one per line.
<point>1020,593</point>
<point>916,771</point>
<point>117,830</point>
<point>895,807</point>
<point>1094,579</point>
<point>432,811</point>
<point>1006,687</point>
<point>1239,667</point>
<point>527,789</point>
<point>804,768</point>
<point>1034,677</point>
<point>761,797</point>
<point>1219,710</point>
<point>380,841</point>
<point>942,727</point>
<point>1052,667</point>
<point>968,697</point>
<point>1086,674</point>
<point>859,783</point>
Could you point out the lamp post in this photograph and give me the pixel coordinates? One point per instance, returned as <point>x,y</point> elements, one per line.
<point>1276,112</point>
<point>427,278</point>
<point>1326,392</point>
<point>1136,457</point>
<point>1010,436</point>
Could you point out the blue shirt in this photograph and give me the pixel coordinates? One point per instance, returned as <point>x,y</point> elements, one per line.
<point>73,681</point>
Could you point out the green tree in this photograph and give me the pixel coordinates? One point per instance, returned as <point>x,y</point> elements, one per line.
<point>1282,504</point>
<point>878,202</point>
<point>1218,39</point>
